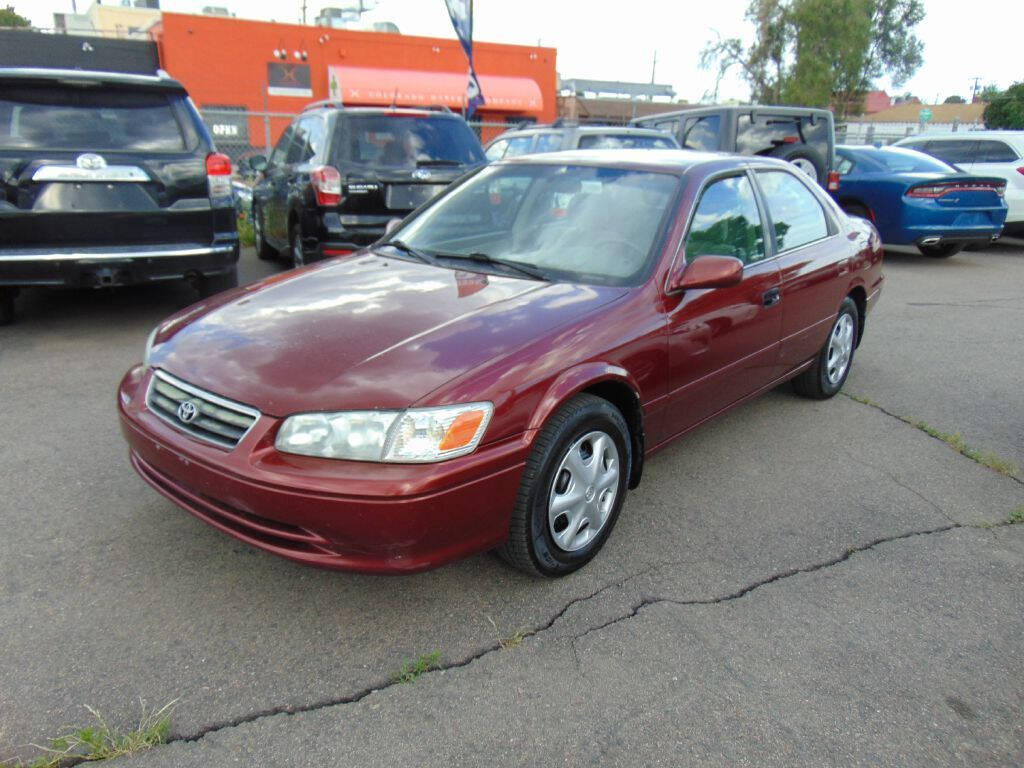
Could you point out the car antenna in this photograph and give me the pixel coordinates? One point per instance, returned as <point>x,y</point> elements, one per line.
<point>394,98</point>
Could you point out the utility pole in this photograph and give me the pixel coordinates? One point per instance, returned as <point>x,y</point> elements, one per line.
<point>303,12</point>
<point>654,66</point>
<point>974,88</point>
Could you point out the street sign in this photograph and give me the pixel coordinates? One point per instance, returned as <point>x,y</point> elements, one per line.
<point>925,115</point>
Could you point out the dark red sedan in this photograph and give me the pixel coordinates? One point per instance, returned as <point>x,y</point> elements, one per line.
<point>495,372</point>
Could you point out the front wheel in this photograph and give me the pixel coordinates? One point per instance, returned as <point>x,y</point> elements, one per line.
<point>573,487</point>
<point>832,365</point>
<point>941,251</point>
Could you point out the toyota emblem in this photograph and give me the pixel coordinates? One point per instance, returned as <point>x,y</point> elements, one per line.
<point>187,411</point>
<point>90,162</point>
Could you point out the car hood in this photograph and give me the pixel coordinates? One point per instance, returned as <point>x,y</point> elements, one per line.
<point>361,332</point>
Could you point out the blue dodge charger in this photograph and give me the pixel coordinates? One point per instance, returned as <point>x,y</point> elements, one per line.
<point>916,199</point>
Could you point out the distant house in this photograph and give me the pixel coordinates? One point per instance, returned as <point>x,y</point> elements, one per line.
<point>876,101</point>
<point>906,119</point>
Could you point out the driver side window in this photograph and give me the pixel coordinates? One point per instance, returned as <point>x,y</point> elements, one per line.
<point>277,157</point>
<point>727,222</point>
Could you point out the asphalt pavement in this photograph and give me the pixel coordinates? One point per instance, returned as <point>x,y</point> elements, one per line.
<point>797,583</point>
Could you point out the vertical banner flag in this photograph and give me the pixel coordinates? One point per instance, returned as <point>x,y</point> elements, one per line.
<point>461,12</point>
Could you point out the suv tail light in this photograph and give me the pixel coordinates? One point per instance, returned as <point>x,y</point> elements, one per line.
<point>1021,170</point>
<point>326,182</point>
<point>218,176</point>
<point>833,181</point>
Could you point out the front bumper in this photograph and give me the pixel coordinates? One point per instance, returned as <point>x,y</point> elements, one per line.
<point>328,513</point>
<point>120,265</point>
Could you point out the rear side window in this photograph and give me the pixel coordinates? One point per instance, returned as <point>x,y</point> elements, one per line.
<point>702,132</point>
<point>548,142</point>
<point>796,213</point>
<point>990,151</point>
<point>519,145</point>
<point>308,140</point>
<point>406,141</point>
<point>727,222</point>
<point>956,151</point>
<point>764,133</point>
<point>624,141</point>
<point>843,165</point>
<point>61,117</point>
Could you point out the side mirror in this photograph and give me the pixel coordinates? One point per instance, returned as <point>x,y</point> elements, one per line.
<point>258,163</point>
<point>391,226</point>
<point>708,271</point>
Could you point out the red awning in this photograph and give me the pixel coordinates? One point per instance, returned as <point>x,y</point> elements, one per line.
<point>356,86</point>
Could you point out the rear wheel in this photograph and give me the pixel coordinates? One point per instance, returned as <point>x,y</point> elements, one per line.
<point>263,250</point>
<point>210,285</point>
<point>7,306</point>
<point>858,210</point>
<point>832,365</point>
<point>941,251</point>
<point>572,490</point>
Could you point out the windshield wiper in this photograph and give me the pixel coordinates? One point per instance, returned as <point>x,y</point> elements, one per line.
<point>482,258</point>
<point>422,163</point>
<point>426,258</point>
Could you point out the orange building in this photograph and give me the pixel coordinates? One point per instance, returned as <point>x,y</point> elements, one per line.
<point>235,66</point>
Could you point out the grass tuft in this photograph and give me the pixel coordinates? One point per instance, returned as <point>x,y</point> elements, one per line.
<point>1017,516</point>
<point>102,742</point>
<point>411,671</point>
<point>954,440</point>
<point>510,641</point>
<point>246,234</point>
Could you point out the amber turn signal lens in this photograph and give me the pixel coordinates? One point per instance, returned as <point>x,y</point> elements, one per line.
<point>462,431</point>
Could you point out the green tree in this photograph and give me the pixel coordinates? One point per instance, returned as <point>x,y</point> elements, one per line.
<point>1006,110</point>
<point>822,52</point>
<point>10,18</point>
<point>989,92</point>
<point>955,100</point>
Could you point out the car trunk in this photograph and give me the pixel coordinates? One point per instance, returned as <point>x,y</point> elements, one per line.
<point>82,166</point>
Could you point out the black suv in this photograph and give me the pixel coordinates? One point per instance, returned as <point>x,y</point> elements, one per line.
<point>803,135</point>
<point>109,179</point>
<point>337,176</point>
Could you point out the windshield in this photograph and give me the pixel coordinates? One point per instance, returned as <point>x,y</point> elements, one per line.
<point>56,117</point>
<point>407,141</point>
<point>626,141</point>
<point>575,223</point>
<point>896,160</point>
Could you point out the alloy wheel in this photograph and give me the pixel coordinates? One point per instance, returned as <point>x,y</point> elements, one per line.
<point>840,348</point>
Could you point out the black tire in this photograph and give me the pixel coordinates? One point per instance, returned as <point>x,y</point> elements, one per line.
<point>792,153</point>
<point>816,382</point>
<point>941,251</point>
<point>264,251</point>
<point>6,307</point>
<point>210,285</point>
<point>858,210</point>
<point>530,546</point>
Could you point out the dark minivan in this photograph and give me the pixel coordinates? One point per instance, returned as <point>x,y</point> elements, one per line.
<point>338,175</point>
<point>109,179</point>
<point>805,136</point>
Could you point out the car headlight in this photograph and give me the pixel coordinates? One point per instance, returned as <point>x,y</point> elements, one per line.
<point>149,347</point>
<point>414,435</point>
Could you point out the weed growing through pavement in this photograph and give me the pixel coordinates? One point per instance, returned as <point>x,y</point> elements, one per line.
<point>102,742</point>
<point>1017,516</point>
<point>508,642</point>
<point>411,671</point>
<point>954,440</point>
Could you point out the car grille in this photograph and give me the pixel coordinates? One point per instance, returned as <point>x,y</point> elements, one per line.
<point>199,413</point>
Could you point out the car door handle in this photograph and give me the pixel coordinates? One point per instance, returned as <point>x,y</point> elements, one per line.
<point>771,297</point>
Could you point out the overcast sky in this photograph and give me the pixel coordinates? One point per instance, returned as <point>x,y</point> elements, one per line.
<point>962,40</point>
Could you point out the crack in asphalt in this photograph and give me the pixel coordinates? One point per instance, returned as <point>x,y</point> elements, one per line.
<point>744,591</point>
<point>895,478</point>
<point>357,696</point>
<point>911,423</point>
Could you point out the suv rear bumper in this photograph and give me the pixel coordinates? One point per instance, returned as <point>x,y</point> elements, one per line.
<point>114,265</point>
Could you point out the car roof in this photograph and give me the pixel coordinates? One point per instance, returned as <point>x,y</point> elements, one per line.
<point>747,108</point>
<point>676,161</point>
<point>159,80</point>
<point>969,135</point>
